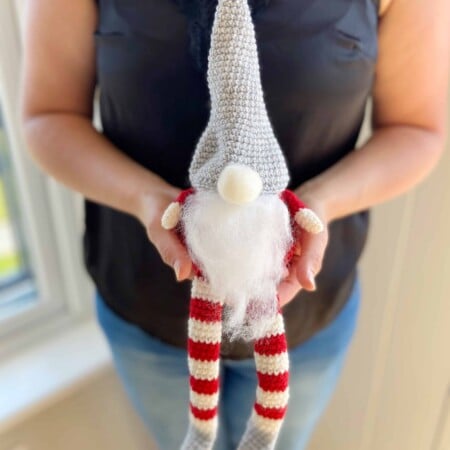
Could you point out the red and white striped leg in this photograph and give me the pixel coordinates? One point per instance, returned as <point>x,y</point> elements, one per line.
<point>205,333</point>
<point>272,365</point>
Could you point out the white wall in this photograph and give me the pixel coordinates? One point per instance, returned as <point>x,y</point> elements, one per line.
<point>395,390</point>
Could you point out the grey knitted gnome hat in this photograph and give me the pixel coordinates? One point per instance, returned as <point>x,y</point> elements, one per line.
<point>239,130</point>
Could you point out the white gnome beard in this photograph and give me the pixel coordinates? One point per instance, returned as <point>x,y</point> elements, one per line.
<point>241,251</point>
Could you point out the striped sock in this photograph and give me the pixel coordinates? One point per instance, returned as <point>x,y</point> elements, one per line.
<point>205,333</point>
<point>272,365</point>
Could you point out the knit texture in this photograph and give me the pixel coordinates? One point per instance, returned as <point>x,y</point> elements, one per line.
<point>204,341</point>
<point>205,334</point>
<point>238,132</point>
<point>200,15</point>
<point>272,395</point>
<point>239,129</point>
<point>272,366</point>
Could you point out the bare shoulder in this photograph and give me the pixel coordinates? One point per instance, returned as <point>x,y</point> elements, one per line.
<point>58,69</point>
<point>413,65</point>
<point>384,5</point>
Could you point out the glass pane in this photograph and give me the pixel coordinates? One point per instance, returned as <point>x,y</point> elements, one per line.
<point>15,273</point>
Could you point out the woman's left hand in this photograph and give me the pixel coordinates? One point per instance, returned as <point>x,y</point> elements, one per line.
<point>307,260</point>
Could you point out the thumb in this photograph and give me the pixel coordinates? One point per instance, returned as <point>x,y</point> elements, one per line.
<point>175,255</point>
<point>309,263</point>
<point>182,268</point>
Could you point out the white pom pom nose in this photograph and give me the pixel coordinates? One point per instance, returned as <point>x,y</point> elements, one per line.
<point>239,184</point>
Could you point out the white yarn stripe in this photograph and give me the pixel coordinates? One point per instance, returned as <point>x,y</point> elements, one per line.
<point>205,426</point>
<point>209,332</point>
<point>272,399</point>
<point>203,370</point>
<point>269,426</point>
<point>277,326</point>
<point>272,365</point>
<point>204,401</point>
<point>201,289</point>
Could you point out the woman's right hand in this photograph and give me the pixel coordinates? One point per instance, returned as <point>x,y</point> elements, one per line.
<point>172,251</point>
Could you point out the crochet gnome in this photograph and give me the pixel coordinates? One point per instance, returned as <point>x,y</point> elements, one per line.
<point>239,223</point>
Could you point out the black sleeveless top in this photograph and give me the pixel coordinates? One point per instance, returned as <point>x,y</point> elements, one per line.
<point>317,60</point>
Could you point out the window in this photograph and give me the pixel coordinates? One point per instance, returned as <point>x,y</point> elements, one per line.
<point>43,284</point>
<point>17,288</point>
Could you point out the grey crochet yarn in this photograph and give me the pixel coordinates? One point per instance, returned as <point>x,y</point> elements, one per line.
<point>239,130</point>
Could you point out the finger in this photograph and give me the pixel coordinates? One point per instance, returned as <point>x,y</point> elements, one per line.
<point>192,273</point>
<point>309,263</point>
<point>288,288</point>
<point>174,254</point>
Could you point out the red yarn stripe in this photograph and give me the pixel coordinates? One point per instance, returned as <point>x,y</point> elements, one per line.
<point>203,351</point>
<point>204,386</point>
<point>270,413</point>
<point>292,201</point>
<point>183,195</point>
<point>196,270</point>
<point>203,414</point>
<point>205,310</point>
<point>273,383</point>
<point>291,252</point>
<point>271,345</point>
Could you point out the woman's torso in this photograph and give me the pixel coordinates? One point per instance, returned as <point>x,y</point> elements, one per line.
<point>317,61</point>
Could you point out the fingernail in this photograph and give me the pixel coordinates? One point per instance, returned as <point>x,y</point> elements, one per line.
<point>310,276</point>
<point>176,268</point>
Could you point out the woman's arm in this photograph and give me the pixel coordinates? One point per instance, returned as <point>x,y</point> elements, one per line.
<point>409,121</point>
<point>409,112</point>
<point>56,107</point>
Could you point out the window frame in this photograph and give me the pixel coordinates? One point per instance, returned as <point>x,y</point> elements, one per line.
<point>51,216</point>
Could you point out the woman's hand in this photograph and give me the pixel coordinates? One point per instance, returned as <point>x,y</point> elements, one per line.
<point>307,260</point>
<point>172,251</point>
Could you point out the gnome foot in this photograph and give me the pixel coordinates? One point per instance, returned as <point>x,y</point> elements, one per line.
<point>200,436</point>
<point>272,366</point>
<point>260,434</point>
<point>204,333</point>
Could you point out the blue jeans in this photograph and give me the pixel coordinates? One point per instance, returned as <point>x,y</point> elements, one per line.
<point>155,377</point>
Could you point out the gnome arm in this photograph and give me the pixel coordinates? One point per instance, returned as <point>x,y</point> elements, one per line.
<point>172,214</point>
<point>306,218</point>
